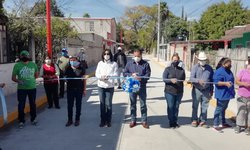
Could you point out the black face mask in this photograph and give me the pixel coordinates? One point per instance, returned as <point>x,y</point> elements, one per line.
<point>228,67</point>
<point>175,63</point>
<point>24,59</point>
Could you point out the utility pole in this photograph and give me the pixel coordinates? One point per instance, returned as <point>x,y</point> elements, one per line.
<point>159,29</point>
<point>49,36</point>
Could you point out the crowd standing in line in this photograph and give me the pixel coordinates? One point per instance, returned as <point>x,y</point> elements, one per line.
<point>205,81</point>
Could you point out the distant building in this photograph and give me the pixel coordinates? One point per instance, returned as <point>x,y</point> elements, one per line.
<point>239,36</point>
<point>105,27</point>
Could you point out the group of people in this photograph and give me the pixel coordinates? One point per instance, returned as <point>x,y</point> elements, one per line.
<point>204,79</point>
<point>25,73</point>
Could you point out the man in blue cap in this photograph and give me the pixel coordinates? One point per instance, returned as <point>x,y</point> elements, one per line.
<point>63,63</point>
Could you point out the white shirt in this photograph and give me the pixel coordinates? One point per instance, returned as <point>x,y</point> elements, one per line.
<point>106,69</point>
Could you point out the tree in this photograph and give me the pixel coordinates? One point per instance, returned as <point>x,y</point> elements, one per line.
<point>39,9</point>
<point>220,17</point>
<point>86,15</point>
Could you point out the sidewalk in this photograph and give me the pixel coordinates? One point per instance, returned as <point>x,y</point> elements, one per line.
<point>41,101</point>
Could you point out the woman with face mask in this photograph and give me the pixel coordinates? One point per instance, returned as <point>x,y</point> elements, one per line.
<point>243,101</point>
<point>173,89</point>
<point>50,73</point>
<point>75,89</point>
<point>106,68</point>
<point>224,91</point>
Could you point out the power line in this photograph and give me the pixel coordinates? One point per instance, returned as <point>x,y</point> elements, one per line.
<point>107,5</point>
<point>204,5</point>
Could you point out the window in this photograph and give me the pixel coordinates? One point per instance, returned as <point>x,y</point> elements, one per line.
<point>90,26</point>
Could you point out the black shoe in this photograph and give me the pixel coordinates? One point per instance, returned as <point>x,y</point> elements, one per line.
<point>61,96</point>
<point>69,123</point>
<point>77,123</point>
<point>50,107</point>
<point>119,87</point>
<point>109,124</point>
<point>102,124</point>
<point>57,107</point>
<point>176,125</point>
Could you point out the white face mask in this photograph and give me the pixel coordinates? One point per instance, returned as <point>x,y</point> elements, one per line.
<point>106,57</point>
<point>48,61</point>
<point>137,59</point>
<point>202,62</point>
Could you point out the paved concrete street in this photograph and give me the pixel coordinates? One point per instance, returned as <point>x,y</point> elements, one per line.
<point>51,134</point>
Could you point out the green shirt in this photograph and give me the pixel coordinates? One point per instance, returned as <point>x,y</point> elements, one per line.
<point>25,73</point>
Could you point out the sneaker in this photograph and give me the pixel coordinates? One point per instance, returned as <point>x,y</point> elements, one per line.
<point>20,125</point>
<point>204,125</point>
<point>34,123</point>
<point>218,129</point>
<point>237,129</point>
<point>194,124</point>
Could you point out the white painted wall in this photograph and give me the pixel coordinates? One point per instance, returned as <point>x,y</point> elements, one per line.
<point>5,77</point>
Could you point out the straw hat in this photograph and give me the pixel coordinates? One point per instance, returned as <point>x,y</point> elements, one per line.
<point>202,56</point>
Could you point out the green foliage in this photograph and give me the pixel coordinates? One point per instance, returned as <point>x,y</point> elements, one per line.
<point>220,17</point>
<point>140,25</point>
<point>175,27</point>
<point>40,9</point>
<point>86,15</point>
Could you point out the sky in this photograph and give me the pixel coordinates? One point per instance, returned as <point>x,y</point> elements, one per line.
<point>115,8</point>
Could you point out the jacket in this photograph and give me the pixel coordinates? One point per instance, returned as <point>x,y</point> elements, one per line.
<point>174,72</point>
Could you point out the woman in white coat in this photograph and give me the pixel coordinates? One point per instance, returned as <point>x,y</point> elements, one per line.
<point>106,68</point>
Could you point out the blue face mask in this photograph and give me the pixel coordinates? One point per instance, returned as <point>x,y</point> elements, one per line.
<point>74,63</point>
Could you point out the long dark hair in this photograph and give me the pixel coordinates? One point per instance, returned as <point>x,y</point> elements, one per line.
<point>110,54</point>
<point>220,63</point>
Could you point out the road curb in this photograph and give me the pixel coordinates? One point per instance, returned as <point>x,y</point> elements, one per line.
<point>40,103</point>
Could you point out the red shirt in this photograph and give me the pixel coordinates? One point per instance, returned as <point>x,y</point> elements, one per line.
<point>49,74</point>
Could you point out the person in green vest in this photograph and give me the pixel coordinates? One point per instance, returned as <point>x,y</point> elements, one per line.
<point>24,74</point>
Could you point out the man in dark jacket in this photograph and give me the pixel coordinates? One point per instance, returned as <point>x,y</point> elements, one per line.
<point>138,68</point>
<point>121,60</point>
<point>174,89</point>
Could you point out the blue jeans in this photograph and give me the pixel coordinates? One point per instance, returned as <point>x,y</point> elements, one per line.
<point>219,113</point>
<point>21,97</point>
<point>199,97</point>
<point>106,96</point>
<point>72,96</point>
<point>173,103</point>
<point>133,99</point>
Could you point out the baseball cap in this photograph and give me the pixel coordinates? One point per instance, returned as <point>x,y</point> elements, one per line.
<point>24,53</point>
